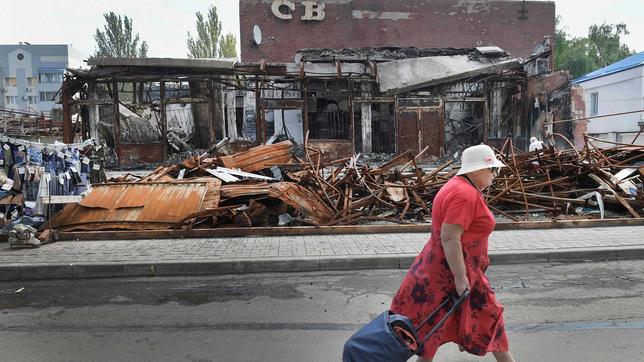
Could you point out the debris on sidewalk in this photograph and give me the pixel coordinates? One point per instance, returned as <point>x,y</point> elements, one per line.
<point>23,236</point>
<point>139,206</point>
<point>551,181</point>
<point>269,186</point>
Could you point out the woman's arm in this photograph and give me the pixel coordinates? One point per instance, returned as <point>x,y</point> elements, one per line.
<point>451,240</point>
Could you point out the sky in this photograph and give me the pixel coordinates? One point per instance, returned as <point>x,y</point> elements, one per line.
<point>164,23</point>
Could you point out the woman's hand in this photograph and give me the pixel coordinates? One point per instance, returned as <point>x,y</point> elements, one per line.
<point>461,284</point>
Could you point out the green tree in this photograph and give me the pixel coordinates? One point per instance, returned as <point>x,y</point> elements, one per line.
<point>117,41</point>
<point>604,43</point>
<point>581,55</point>
<point>228,46</point>
<point>570,52</point>
<point>209,43</point>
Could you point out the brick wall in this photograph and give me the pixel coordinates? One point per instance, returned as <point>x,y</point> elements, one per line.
<point>578,110</point>
<point>547,83</point>
<point>376,23</point>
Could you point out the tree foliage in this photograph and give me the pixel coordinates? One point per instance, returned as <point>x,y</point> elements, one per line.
<point>228,46</point>
<point>117,41</point>
<point>604,43</point>
<point>581,55</point>
<point>209,42</point>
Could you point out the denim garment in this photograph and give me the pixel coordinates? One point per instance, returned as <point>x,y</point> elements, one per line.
<point>34,155</point>
<point>18,156</point>
<point>50,162</point>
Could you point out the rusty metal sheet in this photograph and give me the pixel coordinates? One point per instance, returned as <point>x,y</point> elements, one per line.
<point>117,197</point>
<point>160,174</point>
<point>133,154</point>
<point>238,190</point>
<point>302,200</point>
<point>212,197</point>
<point>292,194</point>
<point>260,157</point>
<point>162,206</point>
<point>432,126</point>
<point>419,128</point>
<point>407,131</point>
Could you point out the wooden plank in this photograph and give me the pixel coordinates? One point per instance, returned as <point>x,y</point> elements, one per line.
<point>61,199</point>
<point>328,230</point>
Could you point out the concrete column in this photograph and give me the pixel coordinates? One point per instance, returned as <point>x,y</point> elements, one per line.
<point>94,119</point>
<point>94,113</point>
<point>365,121</point>
<point>231,114</point>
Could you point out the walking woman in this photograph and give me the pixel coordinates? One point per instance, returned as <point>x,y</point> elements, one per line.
<point>456,257</point>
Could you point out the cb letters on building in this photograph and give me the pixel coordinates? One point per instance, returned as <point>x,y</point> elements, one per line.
<point>283,9</point>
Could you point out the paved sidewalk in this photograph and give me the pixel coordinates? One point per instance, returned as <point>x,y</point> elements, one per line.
<point>117,258</point>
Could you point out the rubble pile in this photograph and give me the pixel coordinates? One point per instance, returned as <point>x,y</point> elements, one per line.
<point>268,185</point>
<point>564,182</point>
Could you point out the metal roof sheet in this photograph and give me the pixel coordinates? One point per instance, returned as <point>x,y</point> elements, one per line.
<point>260,157</point>
<point>627,63</point>
<point>137,206</point>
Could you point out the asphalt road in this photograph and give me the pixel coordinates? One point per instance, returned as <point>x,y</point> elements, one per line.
<point>573,312</point>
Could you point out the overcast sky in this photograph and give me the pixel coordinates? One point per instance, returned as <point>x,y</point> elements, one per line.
<point>165,23</point>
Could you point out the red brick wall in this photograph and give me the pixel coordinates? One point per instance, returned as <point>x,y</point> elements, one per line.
<point>547,83</point>
<point>578,110</point>
<point>435,23</point>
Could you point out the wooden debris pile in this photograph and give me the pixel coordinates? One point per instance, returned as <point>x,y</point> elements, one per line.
<point>397,191</point>
<point>268,185</point>
<point>567,182</point>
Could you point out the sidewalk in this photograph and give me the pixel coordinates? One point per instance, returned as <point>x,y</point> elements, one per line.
<point>120,258</point>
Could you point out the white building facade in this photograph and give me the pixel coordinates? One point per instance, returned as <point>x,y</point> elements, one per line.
<point>31,75</point>
<point>617,88</point>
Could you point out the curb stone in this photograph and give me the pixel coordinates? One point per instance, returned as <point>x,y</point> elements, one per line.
<point>18,271</point>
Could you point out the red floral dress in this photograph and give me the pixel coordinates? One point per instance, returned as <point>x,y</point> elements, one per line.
<point>478,325</point>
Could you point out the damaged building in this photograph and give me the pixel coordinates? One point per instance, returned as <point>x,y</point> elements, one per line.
<point>366,100</point>
<point>329,73</point>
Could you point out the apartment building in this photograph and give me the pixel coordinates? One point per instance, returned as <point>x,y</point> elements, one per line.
<point>31,75</point>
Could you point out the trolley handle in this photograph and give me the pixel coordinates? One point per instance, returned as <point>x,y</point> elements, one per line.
<point>456,300</point>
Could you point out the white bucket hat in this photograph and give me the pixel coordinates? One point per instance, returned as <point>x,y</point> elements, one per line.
<point>477,158</point>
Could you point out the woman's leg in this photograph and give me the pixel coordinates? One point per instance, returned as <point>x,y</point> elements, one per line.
<point>503,356</point>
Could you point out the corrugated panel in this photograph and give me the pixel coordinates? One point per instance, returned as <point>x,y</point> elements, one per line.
<point>260,157</point>
<point>212,197</point>
<point>163,205</point>
<point>237,190</point>
<point>117,197</point>
<point>292,194</point>
<point>303,200</point>
<point>627,63</point>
